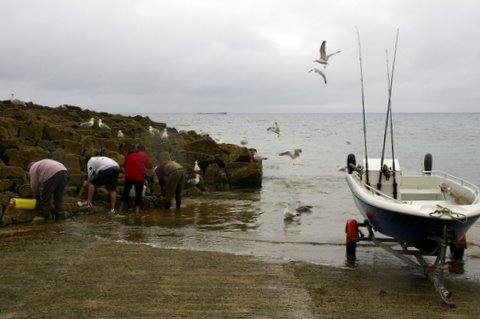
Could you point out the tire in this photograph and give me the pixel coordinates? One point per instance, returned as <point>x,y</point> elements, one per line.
<point>457,249</point>
<point>351,160</point>
<point>351,229</point>
<point>351,249</point>
<point>427,163</point>
<point>456,252</point>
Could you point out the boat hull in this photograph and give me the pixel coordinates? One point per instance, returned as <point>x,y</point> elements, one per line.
<point>405,222</point>
<point>410,228</point>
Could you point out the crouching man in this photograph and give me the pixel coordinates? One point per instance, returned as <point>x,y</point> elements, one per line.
<point>171,177</point>
<point>48,179</point>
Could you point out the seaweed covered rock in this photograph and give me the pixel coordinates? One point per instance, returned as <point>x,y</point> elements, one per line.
<point>70,135</point>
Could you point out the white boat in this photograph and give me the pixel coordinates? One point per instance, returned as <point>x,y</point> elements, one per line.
<point>413,208</point>
<point>423,214</point>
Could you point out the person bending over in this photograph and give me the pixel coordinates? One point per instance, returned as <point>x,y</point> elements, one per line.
<point>171,177</point>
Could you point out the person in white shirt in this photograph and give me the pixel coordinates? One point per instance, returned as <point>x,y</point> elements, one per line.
<point>102,171</point>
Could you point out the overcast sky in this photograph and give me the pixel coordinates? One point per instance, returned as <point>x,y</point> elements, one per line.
<point>144,56</point>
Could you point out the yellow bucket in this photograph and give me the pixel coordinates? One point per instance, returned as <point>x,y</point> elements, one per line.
<point>24,203</point>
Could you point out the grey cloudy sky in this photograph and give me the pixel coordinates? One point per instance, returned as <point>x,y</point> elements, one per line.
<point>244,56</point>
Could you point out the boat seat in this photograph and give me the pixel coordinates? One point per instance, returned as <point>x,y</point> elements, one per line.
<point>421,194</point>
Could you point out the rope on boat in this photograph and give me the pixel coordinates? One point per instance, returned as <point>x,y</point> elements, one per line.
<point>459,199</point>
<point>445,211</point>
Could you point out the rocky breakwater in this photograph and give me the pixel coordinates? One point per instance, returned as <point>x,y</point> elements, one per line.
<point>33,132</point>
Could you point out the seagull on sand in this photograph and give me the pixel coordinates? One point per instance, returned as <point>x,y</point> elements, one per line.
<point>301,208</point>
<point>324,56</point>
<point>164,136</point>
<point>287,214</point>
<point>120,134</point>
<point>15,101</point>
<point>275,129</point>
<point>153,130</point>
<point>321,73</point>
<point>244,141</point>
<point>294,155</point>
<point>103,125</point>
<point>88,124</point>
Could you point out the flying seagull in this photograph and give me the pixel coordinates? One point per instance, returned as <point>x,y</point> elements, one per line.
<point>275,129</point>
<point>321,73</point>
<point>294,155</point>
<point>324,56</point>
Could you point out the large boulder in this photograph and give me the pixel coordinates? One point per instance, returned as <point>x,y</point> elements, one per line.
<point>242,174</point>
<point>7,185</point>
<point>203,145</point>
<point>235,153</point>
<point>30,132</point>
<point>13,173</point>
<point>215,177</point>
<point>59,132</point>
<point>74,162</point>
<point>11,215</point>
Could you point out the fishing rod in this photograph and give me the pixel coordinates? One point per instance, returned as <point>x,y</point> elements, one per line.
<point>389,118</point>
<point>363,108</point>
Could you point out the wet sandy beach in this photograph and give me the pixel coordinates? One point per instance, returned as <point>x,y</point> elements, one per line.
<point>48,272</point>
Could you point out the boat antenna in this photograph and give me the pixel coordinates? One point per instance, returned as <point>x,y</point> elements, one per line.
<point>363,108</point>
<point>389,118</point>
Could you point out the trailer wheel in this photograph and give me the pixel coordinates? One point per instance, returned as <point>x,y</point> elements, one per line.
<point>351,229</point>
<point>427,163</point>
<point>351,160</point>
<point>457,250</point>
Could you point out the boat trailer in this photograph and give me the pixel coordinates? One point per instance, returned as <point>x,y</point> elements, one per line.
<point>413,256</point>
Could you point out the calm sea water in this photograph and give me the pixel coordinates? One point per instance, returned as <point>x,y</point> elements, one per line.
<point>251,221</point>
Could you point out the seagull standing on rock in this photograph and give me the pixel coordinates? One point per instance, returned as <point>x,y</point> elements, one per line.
<point>244,141</point>
<point>165,135</point>
<point>88,124</point>
<point>103,125</point>
<point>194,181</point>
<point>258,157</point>
<point>15,101</point>
<point>120,134</point>
<point>196,168</point>
<point>153,130</point>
